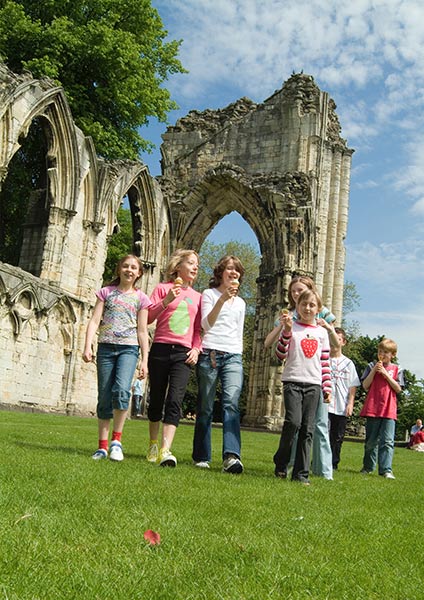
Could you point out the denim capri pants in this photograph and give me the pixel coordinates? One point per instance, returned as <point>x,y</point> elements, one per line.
<point>116,364</point>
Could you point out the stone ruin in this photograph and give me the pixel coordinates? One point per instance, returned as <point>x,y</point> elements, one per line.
<point>281,164</point>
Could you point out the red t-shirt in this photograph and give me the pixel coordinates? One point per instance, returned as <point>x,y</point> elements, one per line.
<point>381,400</point>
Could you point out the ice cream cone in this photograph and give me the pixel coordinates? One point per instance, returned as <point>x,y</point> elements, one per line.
<point>235,283</point>
<point>178,281</point>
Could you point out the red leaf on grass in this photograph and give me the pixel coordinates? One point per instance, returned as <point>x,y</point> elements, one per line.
<point>152,537</point>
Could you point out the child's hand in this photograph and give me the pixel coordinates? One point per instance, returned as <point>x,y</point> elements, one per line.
<point>87,356</point>
<point>286,321</point>
<point>327,397</point>
<point>142,371</point>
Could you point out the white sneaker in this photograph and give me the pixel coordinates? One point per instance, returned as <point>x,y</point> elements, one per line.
<point>232,464</point>
<point>202,464</point>
<point>115,451</point>
<point>389,475</point>
<point>166,458</point>
<point>99,454</point>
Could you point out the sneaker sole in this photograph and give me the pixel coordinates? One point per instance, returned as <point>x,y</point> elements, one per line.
<point>234,470</point>
<point>168,462</point>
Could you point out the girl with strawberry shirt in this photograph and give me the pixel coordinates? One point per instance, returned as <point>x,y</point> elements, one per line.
<point>322,461</point>
<point>305,348</point>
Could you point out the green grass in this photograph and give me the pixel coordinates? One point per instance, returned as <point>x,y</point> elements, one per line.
<point>72,528</point>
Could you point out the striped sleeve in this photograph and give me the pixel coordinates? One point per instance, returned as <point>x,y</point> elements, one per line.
<point>283,345</point>
<point>325,370</point>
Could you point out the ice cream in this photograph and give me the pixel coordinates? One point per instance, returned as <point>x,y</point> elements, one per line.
<point>178,281</point>
<point>284,311</point>
<point>235,283</point>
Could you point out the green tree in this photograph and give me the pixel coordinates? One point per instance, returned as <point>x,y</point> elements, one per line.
<point>110,56</point>
<point>120,244</point>
<point>351,301</point>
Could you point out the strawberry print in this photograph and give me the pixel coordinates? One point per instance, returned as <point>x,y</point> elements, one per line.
<point>309,346</point>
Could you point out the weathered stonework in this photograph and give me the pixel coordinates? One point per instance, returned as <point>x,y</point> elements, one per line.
<point>281,164</point>
<point>43,318</point>
<point>284,167</point>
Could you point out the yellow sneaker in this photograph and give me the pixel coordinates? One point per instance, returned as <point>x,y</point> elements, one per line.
<point>166,458</point>
<point>153,452</point>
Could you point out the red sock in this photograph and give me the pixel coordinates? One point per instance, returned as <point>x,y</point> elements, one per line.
<point>116,436</point>
<point>103,444</point>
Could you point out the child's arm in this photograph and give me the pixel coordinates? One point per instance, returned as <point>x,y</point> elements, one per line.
<point>93,325</point>
<point>392,382</point>
<point>332,335</point>
<point>273,336</point>
<point>366,383</point>
<point>326,374</point>
<point>160,302</point>
<point>143,341</point>
<point>351,401</point>
<point>282,348</point>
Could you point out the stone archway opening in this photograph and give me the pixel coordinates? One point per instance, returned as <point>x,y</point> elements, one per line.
<point>25,200</point>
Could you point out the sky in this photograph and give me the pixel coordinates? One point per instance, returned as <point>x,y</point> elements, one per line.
<point>369,56</point>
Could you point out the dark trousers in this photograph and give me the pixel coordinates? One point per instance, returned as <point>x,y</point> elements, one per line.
<point>337,432</point>
<point>168,376</point>
<point>300,401</point>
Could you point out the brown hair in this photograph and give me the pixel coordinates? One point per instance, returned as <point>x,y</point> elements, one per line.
<point>341,331</point>
<point>175,261</point>
<point>216,279</point>
<point>308,281</point>
<point>117,279</point>
<point>307,294</point>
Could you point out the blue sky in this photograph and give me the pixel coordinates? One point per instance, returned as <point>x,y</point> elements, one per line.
<point>369,56</point>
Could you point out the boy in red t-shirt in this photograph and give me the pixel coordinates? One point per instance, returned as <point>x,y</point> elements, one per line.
<point>383,380</point>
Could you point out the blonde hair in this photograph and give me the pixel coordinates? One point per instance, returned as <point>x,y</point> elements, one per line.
<point>388,345</point>
<point>307,294</point>
<point>177,258</point>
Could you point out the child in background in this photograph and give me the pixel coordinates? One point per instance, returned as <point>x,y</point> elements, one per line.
<point>120,314</point>
<point>344,381</point>
<point>305,348</point>
<point>176,347</point>
<point>382,380</point>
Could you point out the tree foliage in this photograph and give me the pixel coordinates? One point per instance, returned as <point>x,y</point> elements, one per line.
<point>120,244</point>
<point>110,56</point>
<point>363,350</point>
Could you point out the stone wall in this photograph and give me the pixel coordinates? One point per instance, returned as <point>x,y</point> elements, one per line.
<point>46,301</point>
<point>284,167</point>
<point>281,164</point>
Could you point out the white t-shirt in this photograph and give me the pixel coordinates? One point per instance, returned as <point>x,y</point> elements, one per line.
<point>343,377</point>
<point>226,334</point>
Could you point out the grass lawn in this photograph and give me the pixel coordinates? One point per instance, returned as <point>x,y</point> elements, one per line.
<point>72,528</point>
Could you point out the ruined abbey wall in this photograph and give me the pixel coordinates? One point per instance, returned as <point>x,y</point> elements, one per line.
<point>281,164</point>
<point>43,316</point>
<point>284,167</point>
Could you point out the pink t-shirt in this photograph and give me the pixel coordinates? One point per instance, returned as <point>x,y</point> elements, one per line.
<point>180,322</point>
<point>119,320</point>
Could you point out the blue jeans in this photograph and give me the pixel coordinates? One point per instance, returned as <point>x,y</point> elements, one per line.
<point>229,370</point>
<point>322,458</point>
<point>379,443</point>
<point>116,365</point>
